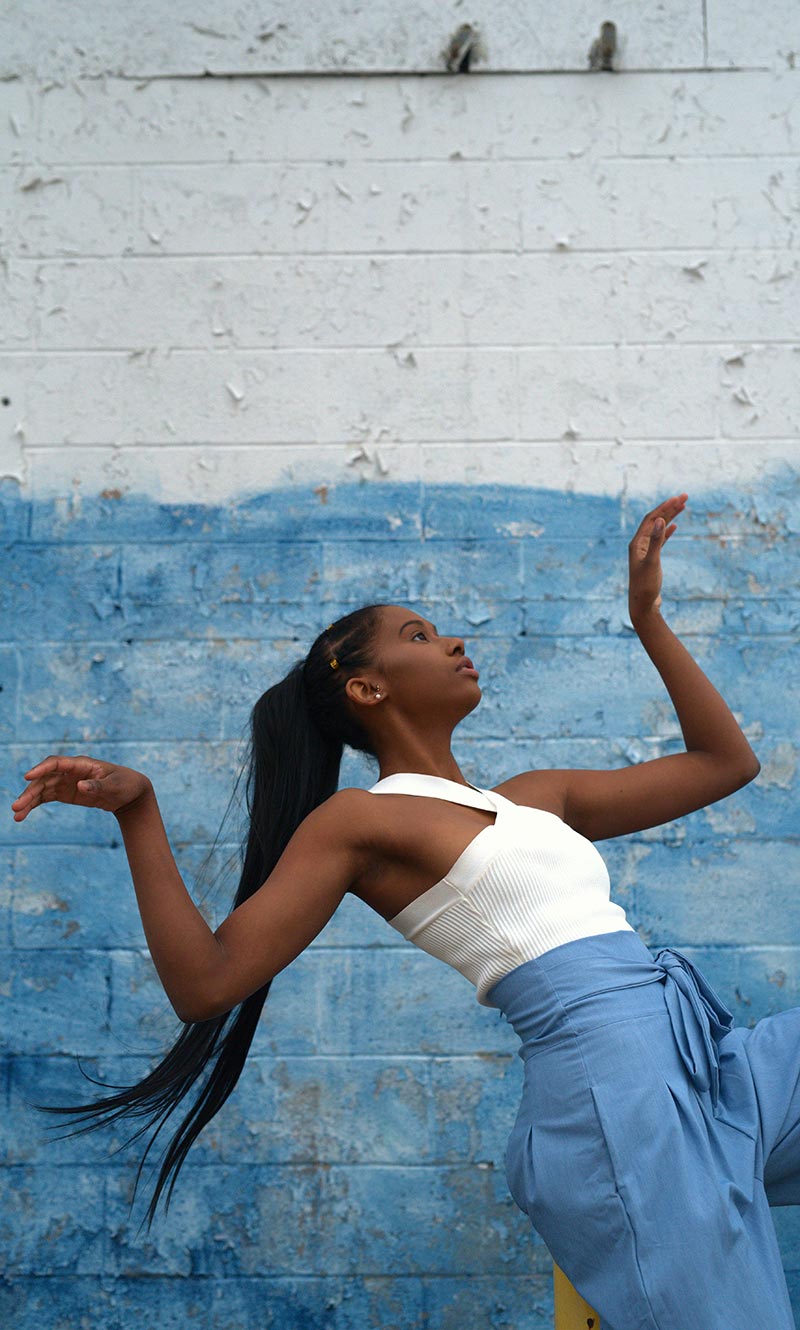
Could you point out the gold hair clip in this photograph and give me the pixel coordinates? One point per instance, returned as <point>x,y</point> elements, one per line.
<point>328,629</point>
<point>334,664</point>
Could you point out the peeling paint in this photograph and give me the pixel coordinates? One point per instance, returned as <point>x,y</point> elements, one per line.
<point>165,264</point>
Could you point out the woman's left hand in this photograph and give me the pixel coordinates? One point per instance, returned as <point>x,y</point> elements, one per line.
<point>644,556</point>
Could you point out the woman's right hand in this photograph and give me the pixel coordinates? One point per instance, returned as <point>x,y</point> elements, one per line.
<point>85,781</point>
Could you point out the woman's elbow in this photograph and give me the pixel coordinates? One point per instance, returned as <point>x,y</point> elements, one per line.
<point>748,771</point>
<point>198,1008</point>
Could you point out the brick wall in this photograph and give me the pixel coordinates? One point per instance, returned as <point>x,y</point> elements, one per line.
<point>336,326</point>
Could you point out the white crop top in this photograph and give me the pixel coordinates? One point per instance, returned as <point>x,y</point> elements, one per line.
<point>524,884</point>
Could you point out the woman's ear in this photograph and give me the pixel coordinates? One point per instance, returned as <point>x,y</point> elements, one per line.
<point>360,690</point>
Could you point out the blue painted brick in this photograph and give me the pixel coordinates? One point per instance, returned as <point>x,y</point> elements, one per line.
<point>372,571</point>
<point>222,590</point>
<point>305,1109</point>
<point>143,1022</point>
<point>760,617</point>
<point>55,1001</point>
<point>356,924</point>
<point>75,590</point>
<point>246,1219</point>
<point>753,982</point>
<point>9,683</point>
<point>74,897</point>
<point>6,886</point>
<point>15,513</point>
<point>504,1302</point>
<point>574,568</point>
<point>368,510</point>
<point>64,1227</point>
<point>487,512</point>
<point>29,1136</point>
<point>193,779</point>
<point>60,1302</point>
<point>141,1019</point>
<point>707,894</point>
<point>416,1004</point>
<point>720,508</point>
<point>365,1302</point>
<point>475,1102</point>
<point>80,693</point>
<point>367,1132</point>
<point>456,1220</point>
<point>384,510</point>
<point>295,1219</point>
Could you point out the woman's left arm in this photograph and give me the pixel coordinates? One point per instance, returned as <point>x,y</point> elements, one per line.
<point>718,760</point>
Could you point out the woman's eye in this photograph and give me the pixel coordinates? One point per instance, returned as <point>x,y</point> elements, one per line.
<point>418,633</point>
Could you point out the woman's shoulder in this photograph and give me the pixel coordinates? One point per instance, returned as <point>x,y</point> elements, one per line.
<point>351,796</point>
<point>535,789</point>
<point>355,809</point>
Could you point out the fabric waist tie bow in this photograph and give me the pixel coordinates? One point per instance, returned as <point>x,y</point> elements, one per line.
<point>699,1018</point>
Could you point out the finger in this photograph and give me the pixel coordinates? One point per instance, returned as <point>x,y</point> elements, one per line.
<point>656,537</point>
<point>30,790</point>
<point>59,762</point>
<point>48,780</point>
<point>668,508</point>
<point>21,809</point>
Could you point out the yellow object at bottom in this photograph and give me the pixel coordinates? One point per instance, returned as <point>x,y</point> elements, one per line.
<point>572,1312</point>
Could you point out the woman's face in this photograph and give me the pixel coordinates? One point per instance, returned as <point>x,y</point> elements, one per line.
<point>417,670</point>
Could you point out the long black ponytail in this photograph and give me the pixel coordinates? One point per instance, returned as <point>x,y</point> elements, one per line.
<point>298,729</point>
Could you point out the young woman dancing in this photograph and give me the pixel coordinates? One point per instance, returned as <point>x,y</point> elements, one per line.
<point>652,1134</point>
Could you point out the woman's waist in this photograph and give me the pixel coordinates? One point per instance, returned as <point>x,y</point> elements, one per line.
<point>577,985</point>
<point>595,981</point>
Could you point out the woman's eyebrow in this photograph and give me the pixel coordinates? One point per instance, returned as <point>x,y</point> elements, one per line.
<point>421,623</point>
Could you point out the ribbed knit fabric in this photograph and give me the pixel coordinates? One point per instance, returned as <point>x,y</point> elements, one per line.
<point>523,885</point>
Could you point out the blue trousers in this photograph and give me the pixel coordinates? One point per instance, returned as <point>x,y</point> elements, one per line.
<point>653,1135</point>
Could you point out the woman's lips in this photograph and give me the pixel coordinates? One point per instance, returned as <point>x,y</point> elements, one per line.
<point>467,667</point>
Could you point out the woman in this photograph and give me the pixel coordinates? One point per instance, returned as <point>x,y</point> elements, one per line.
<point>646,1120</point>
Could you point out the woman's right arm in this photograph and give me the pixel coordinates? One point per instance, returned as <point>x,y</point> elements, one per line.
<point>207,973</point>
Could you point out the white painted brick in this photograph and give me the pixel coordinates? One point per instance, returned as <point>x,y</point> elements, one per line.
<point>473,206</point>
<point>18,120</point>
<point>702,114</point>
<point>484,262</point>
<point>736,293</point>
<point>18,302</point>
<point>256,302</point>
<point>460,394</point>
<point>744,475</point>
<point>663,295</point>
<point>258,397</point>
<point>374,207</point>
<point>759,397</point>
<point>628,467</point>
<point>741,34</point>
<point>208,473</point>
<point>197,36</point>
<point>113,120</point>
<point>211,473</point>
<point>649,204</point>
<point>67,211</point>
<point>385,118</point>
<point>347,118</point>
<point>427,300</point>
<point>602,392</point>
<point>569,205</point>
